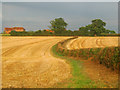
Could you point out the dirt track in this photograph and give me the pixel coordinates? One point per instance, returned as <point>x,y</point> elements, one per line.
<point>27,62</point>
<point>92,42</point>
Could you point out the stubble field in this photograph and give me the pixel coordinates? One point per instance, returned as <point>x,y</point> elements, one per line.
<point>27,61</point>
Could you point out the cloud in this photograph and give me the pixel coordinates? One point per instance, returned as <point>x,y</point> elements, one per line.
<point>38,15</point>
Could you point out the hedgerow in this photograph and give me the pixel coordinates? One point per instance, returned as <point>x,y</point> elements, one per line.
<point>108,56</point>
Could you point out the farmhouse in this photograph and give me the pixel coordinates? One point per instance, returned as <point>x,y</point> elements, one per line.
<point>17,29</point>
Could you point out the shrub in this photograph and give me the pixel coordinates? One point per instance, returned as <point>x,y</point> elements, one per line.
<point>108,56</point>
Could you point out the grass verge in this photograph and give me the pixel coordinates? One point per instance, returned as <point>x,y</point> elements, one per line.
<point>79,79</point>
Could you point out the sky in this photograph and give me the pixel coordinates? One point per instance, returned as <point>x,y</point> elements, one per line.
<point>60,0</point>
<point>37,15</point>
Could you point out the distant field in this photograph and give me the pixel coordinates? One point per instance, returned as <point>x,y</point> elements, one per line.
<point>92,42</point>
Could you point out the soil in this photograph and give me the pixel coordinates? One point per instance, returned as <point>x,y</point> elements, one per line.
<point>99,73</point>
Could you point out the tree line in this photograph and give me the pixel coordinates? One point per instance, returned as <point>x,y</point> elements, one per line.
<point>58,28</point>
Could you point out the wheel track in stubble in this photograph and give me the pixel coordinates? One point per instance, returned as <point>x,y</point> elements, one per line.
<point>92,42</point>
<point>47,69</point>
<point>31,65</point>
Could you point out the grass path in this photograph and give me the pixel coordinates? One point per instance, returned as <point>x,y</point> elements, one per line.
<point>79,78</point>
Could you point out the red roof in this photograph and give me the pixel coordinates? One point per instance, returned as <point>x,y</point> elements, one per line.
<point>51,31</point>
<point>18,28</point>
<point>47,29</point>
<point>9,29</point>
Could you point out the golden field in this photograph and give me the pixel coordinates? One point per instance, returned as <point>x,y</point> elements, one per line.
<point>27,62</point>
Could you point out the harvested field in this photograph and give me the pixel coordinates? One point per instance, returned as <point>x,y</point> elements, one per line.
<point>94,51</point>
<point>27,62</point>
<point>92,42</point>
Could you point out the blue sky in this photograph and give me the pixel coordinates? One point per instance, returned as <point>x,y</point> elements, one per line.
<point>37,15</point>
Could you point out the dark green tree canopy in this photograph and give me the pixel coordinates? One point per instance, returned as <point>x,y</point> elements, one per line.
<point>58,25</point>
<point>96,28</point>
<point>98,23</point>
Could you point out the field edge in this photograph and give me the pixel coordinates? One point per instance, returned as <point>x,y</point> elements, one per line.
<point>79,79</point>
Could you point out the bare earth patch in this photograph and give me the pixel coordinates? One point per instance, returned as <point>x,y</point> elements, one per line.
<point>99,73</point>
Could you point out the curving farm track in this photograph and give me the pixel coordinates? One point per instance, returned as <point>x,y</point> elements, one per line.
<point>92,42</point>
<point>27,62</point>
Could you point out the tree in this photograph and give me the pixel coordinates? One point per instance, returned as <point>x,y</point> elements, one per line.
<point>98,23</point>
<point>112,32</point>
<point>97,26</point>
<point>13,33</point>
<point>83,31</point>
<point>82,28</point>
<point>58,25</point>
<point>38,31</point>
